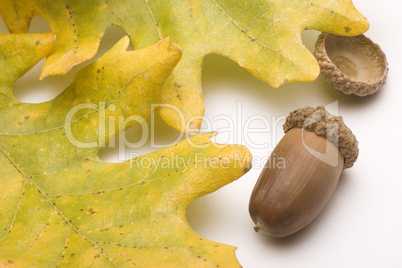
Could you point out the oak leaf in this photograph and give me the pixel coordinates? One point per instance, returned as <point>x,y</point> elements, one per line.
<point>262,36</point>
<point>60,205</point>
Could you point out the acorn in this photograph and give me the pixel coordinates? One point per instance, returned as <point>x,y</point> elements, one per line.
<point>352,64</point>
<point>316,148</point>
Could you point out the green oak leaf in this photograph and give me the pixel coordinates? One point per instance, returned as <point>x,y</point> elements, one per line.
<point>262,36</point>
<point>60,205</point>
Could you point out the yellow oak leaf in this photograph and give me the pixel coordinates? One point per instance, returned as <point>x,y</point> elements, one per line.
<point>60,205</point>
<point>262,36</point>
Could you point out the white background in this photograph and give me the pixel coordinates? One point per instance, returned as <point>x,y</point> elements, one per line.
<point>362,224</point>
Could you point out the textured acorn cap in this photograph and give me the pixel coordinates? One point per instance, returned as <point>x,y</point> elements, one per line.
<point>354,65</point>
<point>326,125</point>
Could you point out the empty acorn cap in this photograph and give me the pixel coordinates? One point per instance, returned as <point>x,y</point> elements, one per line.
<point>354,65</point>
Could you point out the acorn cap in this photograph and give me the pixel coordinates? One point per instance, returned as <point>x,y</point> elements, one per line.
<point>326,125</point>
<point>354,65</point>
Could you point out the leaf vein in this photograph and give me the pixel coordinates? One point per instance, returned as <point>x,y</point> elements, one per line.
<point>252,38</point>
<point>64,248</point>
<point>16,211</point>
<point>153,19</point>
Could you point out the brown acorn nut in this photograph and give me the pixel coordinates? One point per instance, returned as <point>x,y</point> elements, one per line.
<point>316,148</point>
<point>354,65</point>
